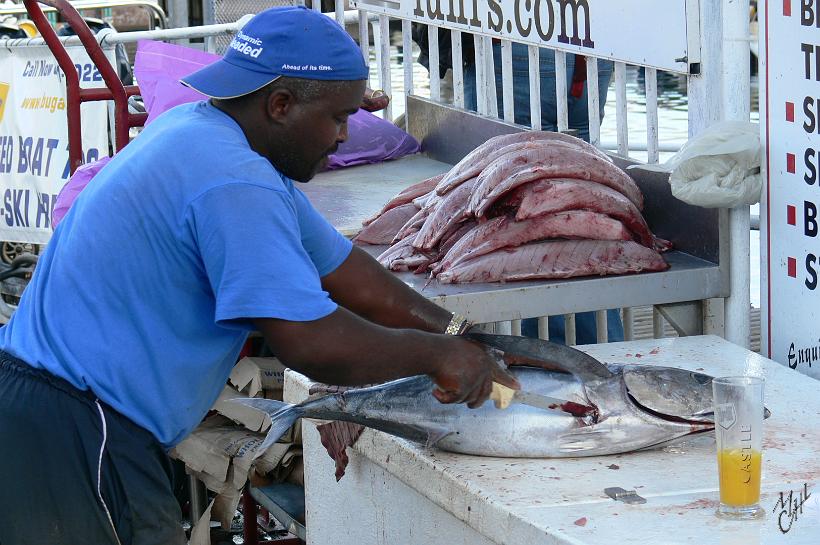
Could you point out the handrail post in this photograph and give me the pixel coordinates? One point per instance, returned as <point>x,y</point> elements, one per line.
<point>74,94</point>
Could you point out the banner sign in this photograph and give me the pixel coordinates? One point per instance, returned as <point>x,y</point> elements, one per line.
<point>790,226</point>
<point>34,136</point>
<point>664,35</point>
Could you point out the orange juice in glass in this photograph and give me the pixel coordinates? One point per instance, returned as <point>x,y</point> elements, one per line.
<point>739,433</point>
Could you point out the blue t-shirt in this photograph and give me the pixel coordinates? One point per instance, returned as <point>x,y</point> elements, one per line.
<point>144,291</point>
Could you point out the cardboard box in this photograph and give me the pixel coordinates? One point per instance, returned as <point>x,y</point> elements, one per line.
<point>221,454</point>
<point>253,375</point>
<point>252,419</point>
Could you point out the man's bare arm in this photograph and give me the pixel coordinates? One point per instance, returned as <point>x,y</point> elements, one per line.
<point>363,286</point>
<point>345,349</point>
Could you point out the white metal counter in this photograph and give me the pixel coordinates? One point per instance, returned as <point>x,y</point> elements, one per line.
<point>687,279</point>
<point>350,195</point>
<point>399,493</point>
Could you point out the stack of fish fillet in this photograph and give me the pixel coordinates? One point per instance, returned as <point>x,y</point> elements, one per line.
<point>523,206</point>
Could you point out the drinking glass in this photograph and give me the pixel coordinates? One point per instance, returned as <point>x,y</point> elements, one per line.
<point>739,432</point>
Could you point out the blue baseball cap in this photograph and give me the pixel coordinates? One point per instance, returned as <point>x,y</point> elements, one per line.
<point>285,41</point>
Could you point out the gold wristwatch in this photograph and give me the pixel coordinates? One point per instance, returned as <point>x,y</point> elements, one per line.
<point>458,325</point>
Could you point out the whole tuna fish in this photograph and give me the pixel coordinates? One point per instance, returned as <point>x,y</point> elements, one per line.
<point>637,407</point>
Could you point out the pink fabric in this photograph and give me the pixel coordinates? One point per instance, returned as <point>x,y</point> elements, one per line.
<point>72,188</point>
<point>371,139</point>
<point>159,66</point>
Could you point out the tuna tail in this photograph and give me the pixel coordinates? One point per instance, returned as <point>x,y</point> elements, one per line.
<point>282,417</point>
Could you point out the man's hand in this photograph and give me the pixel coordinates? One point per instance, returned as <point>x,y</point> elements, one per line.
<point>466,372</point>
<point>347,350</point>
<point>373,101</point>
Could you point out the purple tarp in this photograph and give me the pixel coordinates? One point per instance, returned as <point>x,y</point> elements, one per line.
<point>159,66</point>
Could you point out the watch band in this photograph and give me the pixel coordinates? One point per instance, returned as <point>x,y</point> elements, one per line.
<point>458,325</point>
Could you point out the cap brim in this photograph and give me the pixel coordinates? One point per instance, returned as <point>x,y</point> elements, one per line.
<point>224,80</point>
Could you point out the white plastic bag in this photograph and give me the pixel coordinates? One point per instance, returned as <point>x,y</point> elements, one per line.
<point>719,168</point>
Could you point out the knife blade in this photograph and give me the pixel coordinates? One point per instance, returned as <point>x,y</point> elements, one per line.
<point>503,396</point>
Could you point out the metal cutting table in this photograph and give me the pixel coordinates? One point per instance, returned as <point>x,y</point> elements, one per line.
<point>348,196</point>
<point>398,492</point>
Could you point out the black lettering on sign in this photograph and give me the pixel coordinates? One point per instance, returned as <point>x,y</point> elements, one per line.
<point>43,210</point>
<point>576,19</point>
<point>575,11</point>
<point>24,155</point>
<point>7,207</point>
<point>67,167</point>
<point>37,158</point>
<point>475,21</point>
<point>17,203</point>
<point>811,171</point>
<point>808,355</point>
<point>810,219</point>
<point>809,50</point>
<point>51,145</point>
<point>452,17</point>
<point>523,30</point>
<point>810,124</point>
<point>91,155</point>
<point>434,13</point>
<point>811,271</point>
<point>544,35</point>
<point>30,158</point>
<point>13,202</point>
<point>807,14</point>
<point>6,154</point>
<point>495,23</point>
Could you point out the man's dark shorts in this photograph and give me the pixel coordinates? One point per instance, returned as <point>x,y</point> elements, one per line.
<point>73,470</point>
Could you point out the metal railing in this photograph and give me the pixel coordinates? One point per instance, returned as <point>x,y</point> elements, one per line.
<point>157,17</point>
<point>168,34</point>
<point>704,91</point>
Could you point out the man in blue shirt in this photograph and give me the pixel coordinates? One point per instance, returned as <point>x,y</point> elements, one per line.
<point>192,236</point>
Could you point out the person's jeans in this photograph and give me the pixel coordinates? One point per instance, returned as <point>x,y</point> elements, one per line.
<point>586,331</point>
<point>577,107</point>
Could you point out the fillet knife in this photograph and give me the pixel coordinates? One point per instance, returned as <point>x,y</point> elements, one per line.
<point>503,396</point>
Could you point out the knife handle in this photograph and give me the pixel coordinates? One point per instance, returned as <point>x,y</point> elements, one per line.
<point>501,395</point>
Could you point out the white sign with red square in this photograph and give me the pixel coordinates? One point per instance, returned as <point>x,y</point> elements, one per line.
<point>790,238</point>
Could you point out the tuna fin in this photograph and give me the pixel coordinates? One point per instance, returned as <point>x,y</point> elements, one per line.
<point>336,437</point>
<point>282,417</point>
<point>571,360</point>
<point>434,435</point>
